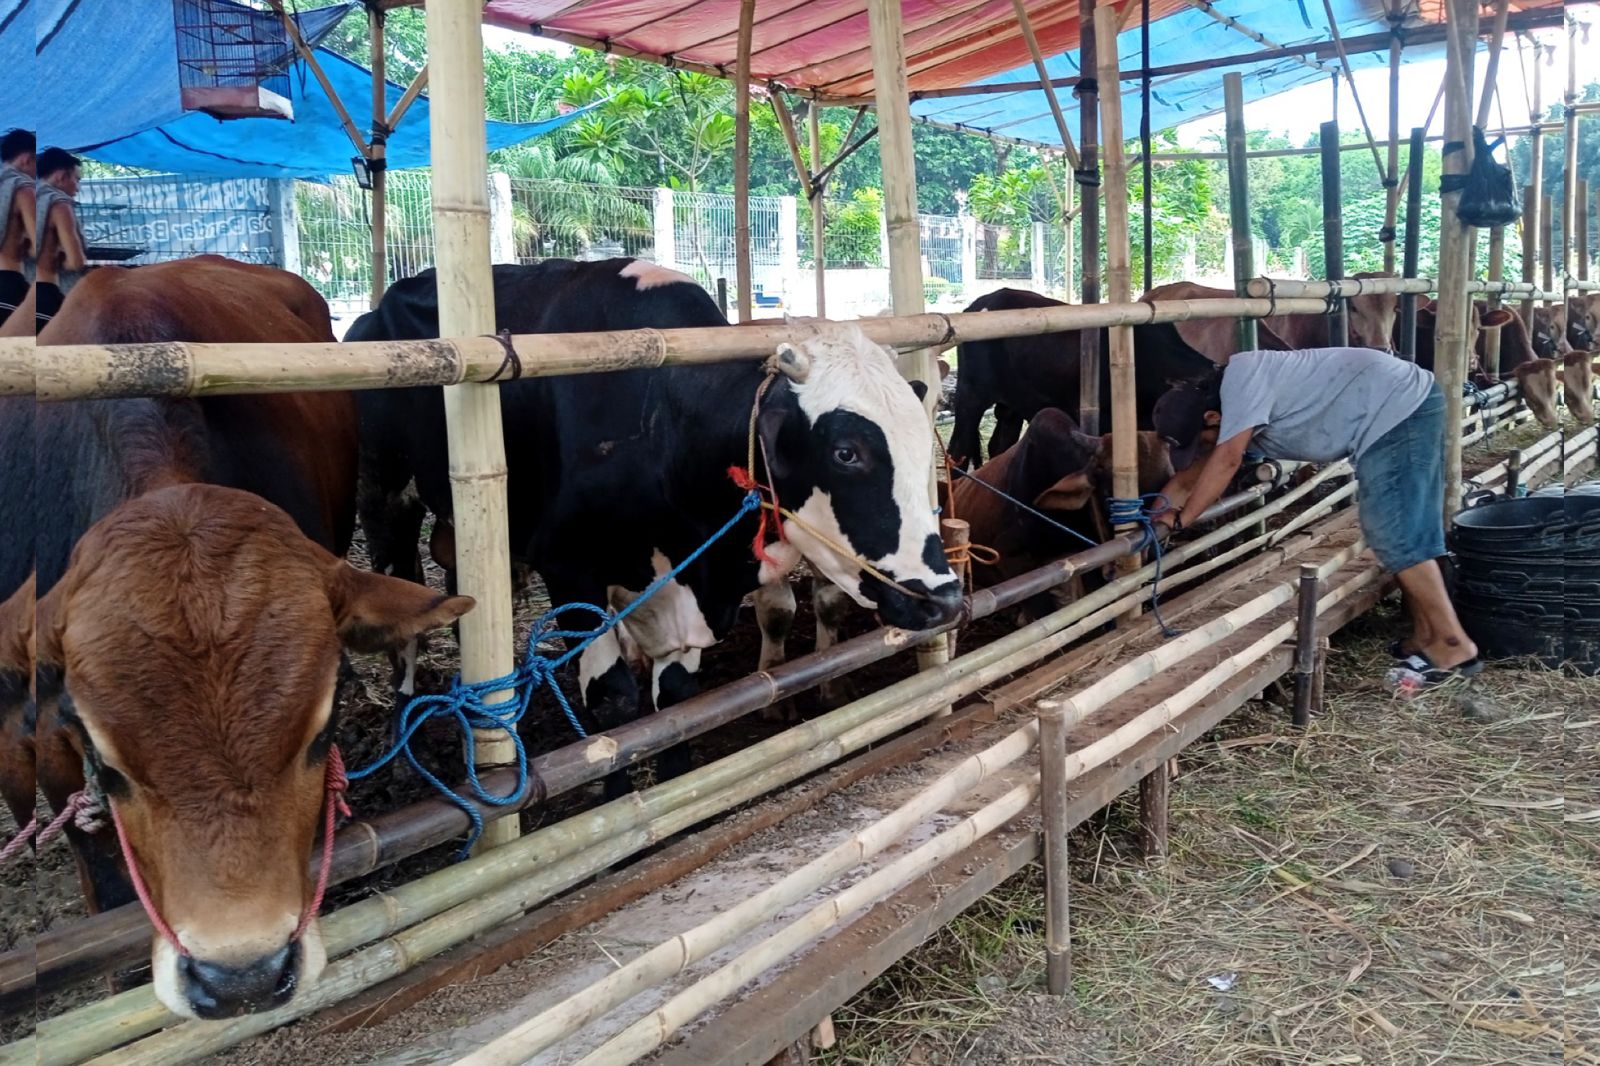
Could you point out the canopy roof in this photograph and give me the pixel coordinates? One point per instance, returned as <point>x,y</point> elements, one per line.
<point>821,47</point>
<point>130,112</point>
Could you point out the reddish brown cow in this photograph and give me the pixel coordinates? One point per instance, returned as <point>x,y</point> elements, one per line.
<point>1577,384</point>
<point>1061,472</point>
<point>1535,376</point>
<point>1372,319</point>
<point>188,646</point>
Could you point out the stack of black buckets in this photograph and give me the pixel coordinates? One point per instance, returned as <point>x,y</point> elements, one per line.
<point>1528,578</point>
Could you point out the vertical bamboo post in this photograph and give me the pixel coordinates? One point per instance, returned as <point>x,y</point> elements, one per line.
<point>1333,232</point>
<point>1530,203</point>
<point>1580,225</point>
<point>1147,184</point>
<point>1514,473</point>
<point>377,160</point>
<point>1413,243</point>
<point>1089,214</point>
<point>1451,340</point>
<point>741,162</point>
<point>1497,271</point>
<point>1068,251</point>
<point>819,219</point>
<point>900,218</point>
<point>1305,645</point>
<point>1244,267</point>
<point>1057,877</point>
<point>1119,273</point>
<point>1491,70</point>
<point>1155,801</point>
<point>466,309</point>
<point>1548,228</point>
<point>956,533</point>
<point>1391,179</point>
<point>1569,174</point>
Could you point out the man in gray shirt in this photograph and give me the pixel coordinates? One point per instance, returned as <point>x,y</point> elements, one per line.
<point>1385,414</point>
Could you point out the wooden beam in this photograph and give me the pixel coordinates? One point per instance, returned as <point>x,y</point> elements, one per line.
<point>1238,27</point>
<point>292,28</point>
<point>1391,174</point>
<point>780,111</point>
<point>1244,266</point>
<point>819,219</point>
<point>409,97</point>
<point>1044,80</point>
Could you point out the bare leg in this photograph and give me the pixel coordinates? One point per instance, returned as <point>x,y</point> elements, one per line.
<point>1438,631</point>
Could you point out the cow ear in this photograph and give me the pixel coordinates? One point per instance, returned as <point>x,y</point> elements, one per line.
<point>1494,319</point>
<point>375,612</point>
<point>1071,493</point>
<point>920,388</point>
<point>774,414</point>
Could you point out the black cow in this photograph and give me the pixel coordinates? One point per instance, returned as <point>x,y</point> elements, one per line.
<point>1021,376</point>
<point>614,478</point>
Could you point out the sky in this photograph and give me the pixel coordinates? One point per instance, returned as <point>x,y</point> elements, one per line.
<point>1300,112</point>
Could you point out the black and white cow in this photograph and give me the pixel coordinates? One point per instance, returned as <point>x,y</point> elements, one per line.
<point>614,478</point>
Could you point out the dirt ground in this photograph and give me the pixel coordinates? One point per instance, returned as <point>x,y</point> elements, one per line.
<point>1409,882</point>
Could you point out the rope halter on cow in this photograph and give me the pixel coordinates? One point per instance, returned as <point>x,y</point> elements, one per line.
<point>335,784</point>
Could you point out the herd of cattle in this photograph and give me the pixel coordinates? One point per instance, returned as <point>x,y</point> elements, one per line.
<point>176,599</point>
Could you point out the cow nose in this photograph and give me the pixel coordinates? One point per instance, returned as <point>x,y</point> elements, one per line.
<point>220,990</point>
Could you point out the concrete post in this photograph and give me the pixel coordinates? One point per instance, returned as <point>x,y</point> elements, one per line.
<point>969,256</point>
<point>285,226</point>
<point>789,247</point>
<point>502,233</point>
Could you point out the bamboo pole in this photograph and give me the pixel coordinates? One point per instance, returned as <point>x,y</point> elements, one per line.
<point>1413,240</point>
<point>1581,231</point>
<point>1026,26</point>
<point>1497,269</point>
<point>1282,288</point>
<point>669,807</point>
<point>741,163</point>
<point>1491,73</point>
<point>102,371</point>
<point>1548,228</point>
<point>407,98</point>
<point>1057,872</point>
<point>1333,233</point>
<point>377,159</point>
<point>815,191</point>
<point>472,412</point>
<point>651,1031</point>
<point>1569,194</point>
<point>1452,342</point>
<point>1119,270</point>
<point>1350,80</point>
<point>1391,177</point>
<point>309,57</point>
<point>1244,266</point>
<point>1305,646</point>
<point>1089,356</point>
<point>1530,205</point>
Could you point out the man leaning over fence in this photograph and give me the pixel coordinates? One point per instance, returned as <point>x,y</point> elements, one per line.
<point>18,235</point>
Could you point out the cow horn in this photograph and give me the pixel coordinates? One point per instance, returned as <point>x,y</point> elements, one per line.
<point>793,363</point>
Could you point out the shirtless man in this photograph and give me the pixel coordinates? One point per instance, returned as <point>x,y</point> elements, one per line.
<point>18,236</point>
<point>61,241</point>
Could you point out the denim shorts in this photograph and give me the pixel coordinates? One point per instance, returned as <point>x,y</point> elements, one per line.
<point>1401,497</point>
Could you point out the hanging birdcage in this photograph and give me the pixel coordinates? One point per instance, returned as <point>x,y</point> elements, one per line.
<point>233,60</point>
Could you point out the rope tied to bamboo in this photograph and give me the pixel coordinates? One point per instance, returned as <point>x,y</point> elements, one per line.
<point>469,704</point>
<point>511,360</point>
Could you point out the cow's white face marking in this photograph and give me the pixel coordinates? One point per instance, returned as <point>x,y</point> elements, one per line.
<point>648,275</point>
<point>847,373</point>
<point>604,652</point>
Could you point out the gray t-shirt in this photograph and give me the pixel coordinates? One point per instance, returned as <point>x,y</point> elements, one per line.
<point>1320,404</point>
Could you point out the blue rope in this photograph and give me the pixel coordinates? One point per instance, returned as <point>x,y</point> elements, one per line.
<point>467,703</point>
<point>1142,512</point>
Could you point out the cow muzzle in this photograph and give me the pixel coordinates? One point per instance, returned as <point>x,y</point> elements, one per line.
<point>914,605</point>
<point>226,990</point>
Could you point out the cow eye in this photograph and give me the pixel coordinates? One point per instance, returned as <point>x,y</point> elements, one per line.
<point>845,455</point>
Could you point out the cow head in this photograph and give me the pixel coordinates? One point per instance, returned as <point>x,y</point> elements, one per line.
<point>849,445</point>
<point>1372,316</point>
<point>1548,332</point>
<point>1580,326</point>
<point>1577,384</point>
<point>197,633</point>
<point>1537,380</point>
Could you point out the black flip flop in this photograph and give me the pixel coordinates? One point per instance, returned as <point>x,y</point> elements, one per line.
<point>1397,651</point>
<point>1432,675</point>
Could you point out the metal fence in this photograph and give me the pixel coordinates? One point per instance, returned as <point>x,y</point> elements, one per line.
<point>703,239</point>
<point>1005,252</point>
<point>564,220</point>
<point>334,223</point>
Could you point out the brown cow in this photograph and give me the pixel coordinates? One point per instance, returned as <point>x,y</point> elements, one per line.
<point>188,646</point>
<point>1535,376</point>
<point>1372,317</point>
<point>1061,472</point>
<point>1577,384</point>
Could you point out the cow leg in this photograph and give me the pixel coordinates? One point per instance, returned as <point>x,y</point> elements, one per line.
<point>610,693</point>
<point>832,605</point>
<point>966,442</point>
<point>1007,430</point>
<point>674,679</point>
<point>775,607</point>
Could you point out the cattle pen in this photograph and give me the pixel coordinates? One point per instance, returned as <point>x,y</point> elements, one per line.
<point>975,764</point>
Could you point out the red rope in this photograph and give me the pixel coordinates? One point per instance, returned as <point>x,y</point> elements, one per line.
<point>745,480</point>
<point>336,783</point>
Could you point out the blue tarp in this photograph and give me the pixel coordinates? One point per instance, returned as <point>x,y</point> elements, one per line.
<point>113,94</point>
<point>1182,37</point>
